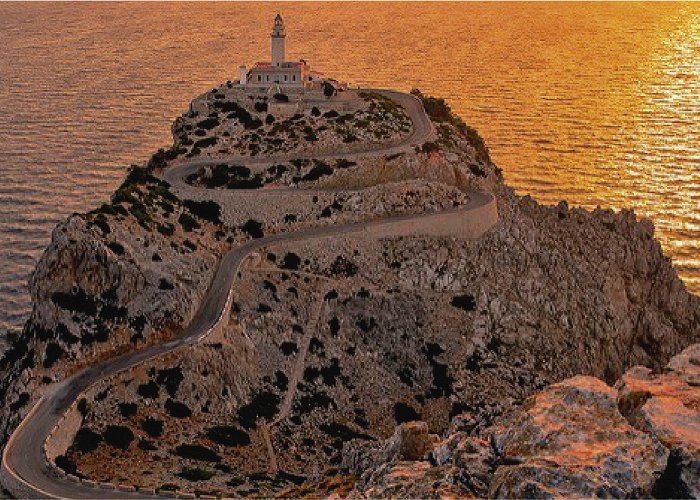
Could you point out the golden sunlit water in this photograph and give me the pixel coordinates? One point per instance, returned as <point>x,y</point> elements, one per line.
<point>596,103</point>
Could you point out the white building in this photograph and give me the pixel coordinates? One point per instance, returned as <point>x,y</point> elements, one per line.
<point>278,71</point>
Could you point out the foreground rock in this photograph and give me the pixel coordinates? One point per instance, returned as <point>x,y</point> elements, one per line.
<point>576,438</point>
<point>415,463</point>
<point>570,440</point>
<point>667,406</point>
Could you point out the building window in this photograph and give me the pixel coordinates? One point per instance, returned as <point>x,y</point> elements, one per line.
<point>294,78</point>
<point>267,78</point>
<point>285,78</point>
<point>259,78</point>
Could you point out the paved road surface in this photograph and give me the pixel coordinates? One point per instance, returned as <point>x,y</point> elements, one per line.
<point>23,457</point>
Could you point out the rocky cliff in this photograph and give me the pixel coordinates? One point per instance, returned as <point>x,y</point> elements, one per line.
<point>332,343</point>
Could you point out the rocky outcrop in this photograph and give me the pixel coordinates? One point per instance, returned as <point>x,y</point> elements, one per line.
<point>415,463</point>
<point>576,438</point>
<point>666,405</point>
<point>570,440</point>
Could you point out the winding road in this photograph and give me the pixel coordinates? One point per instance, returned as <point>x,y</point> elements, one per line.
<point>25,470</point>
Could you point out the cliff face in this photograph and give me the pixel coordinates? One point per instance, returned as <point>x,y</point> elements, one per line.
<point>331,343</point>
<point>123,276</point>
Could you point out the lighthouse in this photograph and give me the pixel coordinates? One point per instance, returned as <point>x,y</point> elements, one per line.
<point>278,71</point>
<point>278,36</point>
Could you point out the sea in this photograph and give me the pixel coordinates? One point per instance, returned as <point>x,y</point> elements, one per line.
<point>595,103</point>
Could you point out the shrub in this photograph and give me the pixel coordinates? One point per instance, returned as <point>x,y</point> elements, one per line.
<point>77,301</point>
<point>118,436</point>
<point>254,183</point>
<point>171,378</point>
<point>343,267</point>
<point>465,302</point>
<point>343,163</point>
<point>260,107</point>
<point>188,222</point>
<point>152,426</point>
<point>228,435</point>
<point>439,111</point>
<point>177,409</point>
<point>53,353</point>
<point>288,348</point>
<point>477,170</point>
<point>149,390</point>
<point>102,224</point>
<point>317,171</point>
<point>127,409</point>
<point>430,147</point>
<point>281,97</point>
<point>115,247</point>
<point>139,175</point>
<point>86,440</point>
<point>253,124</point>
<point>207,210</point>
<point>205,143</point>
<point>334,326</point>
<point>140,212</point>
<point>315,111</point>
<point>209,123</point>
<point>477,142</point>
<point>269,119</point>
<point>290,261</point>
<point>197,452</point>
<point>196,474</point>
<point>164,284</point>
<point>21,401</point>
<point>253,228</point>
<point>65,463</point>
<point>166,229</point>
<point>146,445</point>
<point>262,405</point>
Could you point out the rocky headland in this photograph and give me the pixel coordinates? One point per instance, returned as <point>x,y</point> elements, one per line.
<point>542,355</point>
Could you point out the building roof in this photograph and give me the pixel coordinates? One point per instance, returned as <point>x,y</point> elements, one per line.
<point>267,64</point>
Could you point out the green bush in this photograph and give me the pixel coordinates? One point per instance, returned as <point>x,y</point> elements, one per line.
<point>439,111</point>
<point>205,143</point>
<point>188,222</point>
<point>166,229</point>
<point>208,123</point>
<point>207,210</point>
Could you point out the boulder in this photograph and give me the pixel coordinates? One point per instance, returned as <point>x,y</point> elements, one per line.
<point>667,405</point>
<point>412,480</point>
<point>471,460</point>
<point>570,440</point>
<point>410,441</point>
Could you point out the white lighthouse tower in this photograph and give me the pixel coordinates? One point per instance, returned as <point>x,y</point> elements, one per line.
<point>278,71</point>
<point>278,36</point>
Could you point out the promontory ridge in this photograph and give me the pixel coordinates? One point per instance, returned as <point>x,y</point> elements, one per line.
<point>324,290</point>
